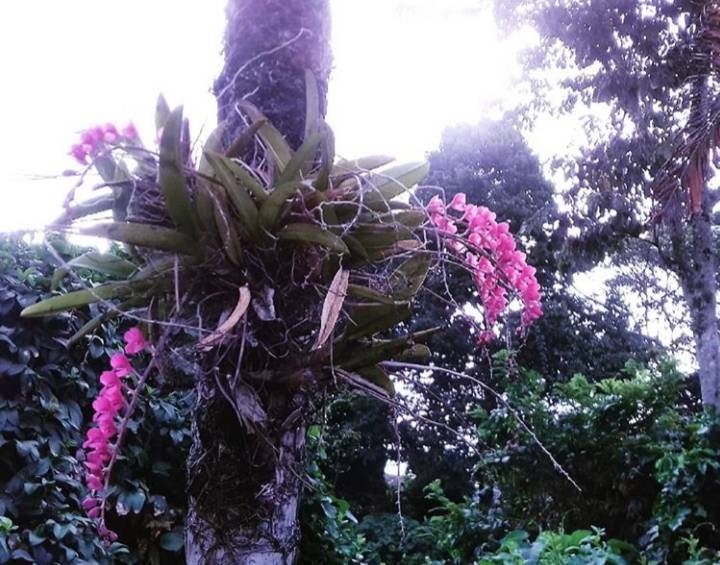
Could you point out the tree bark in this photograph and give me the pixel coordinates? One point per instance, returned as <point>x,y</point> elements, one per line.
<point>268,46</point>
<point>244,478</point>
<point>244,484</point>
<point>699,283</point>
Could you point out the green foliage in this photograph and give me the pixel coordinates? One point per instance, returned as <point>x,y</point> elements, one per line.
<point>44,391</point>
<point>645,461</point>
<point>556,548</point>
<point>329,528</point>
<point>45,395</point>
<point>686,512</point>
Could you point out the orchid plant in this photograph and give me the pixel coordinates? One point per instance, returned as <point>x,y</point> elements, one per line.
<point>289,269</point>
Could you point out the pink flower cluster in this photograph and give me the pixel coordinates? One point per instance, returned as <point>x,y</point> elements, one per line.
<point>108,406</point>
<point>95,139</point>
<point>488,250</point>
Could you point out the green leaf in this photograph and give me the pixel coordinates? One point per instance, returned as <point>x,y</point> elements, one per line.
<point>358,252</point>
<point>378,376</point>
<point>98,320</point>
<point>76,299</point>
<point>172,541</point>
<point>228,234</point>
<point>241,143</point>
<point>205,205</point>
<point>305,153</point>
<point>411,218</point>
<point>312,105</point>
<point>272,138</point>
<point>143,235</point>
<point>213,145</point>
<point>102,262</point>
<point>327,157</point>
<point>86,208</point>
<point>377,236</point>
<point>162,112</point>
<point>393,182</point>
<point>369,319</point>
<point>361,165</point>
<point>246,179</point>
<point>241,199</point>
<point>272,209</point>
<point>415,352</point>
<point>312,233</point>
<point>359,291</point>
<point>382,350</point>
<point>409,277</point>
<point>171,177</point>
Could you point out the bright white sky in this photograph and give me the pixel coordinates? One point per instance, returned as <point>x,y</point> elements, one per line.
<point>404,69</point>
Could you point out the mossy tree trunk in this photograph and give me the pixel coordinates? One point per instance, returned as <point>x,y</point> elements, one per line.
<point>244,479</point>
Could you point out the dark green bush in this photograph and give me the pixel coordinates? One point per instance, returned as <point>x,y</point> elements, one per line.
<point>46,390</point>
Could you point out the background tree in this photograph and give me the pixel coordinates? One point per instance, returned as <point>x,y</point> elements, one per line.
<point>648,65</point>
<point>491,162</point>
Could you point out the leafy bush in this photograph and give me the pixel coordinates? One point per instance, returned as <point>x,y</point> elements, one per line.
<point>645,458</point>
<point>45,393</point>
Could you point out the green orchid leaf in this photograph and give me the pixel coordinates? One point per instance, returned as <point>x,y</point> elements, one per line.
<point>367,293</point>
<point>271,137</point>
<point>358,252</point>
<point>385,350</point>
<point>379,377</point>
<point>205,206</point>
<point>272,209</point>
<point>213,145</point>
<point>162,112</point>
<point>102,262</point>
<point>312,105</point>
<point>411,218</point>
<point>241,199</point>
<point>305,153</point>
<point>327,157</point>
<point>393,182</point>
<point>76,299</point>
<point>361,165</point>
<point>172,178</point>
<point>313,233</point>
<point>409,277</point>
<point>98,320</point>
<point>143,235</point>
<point>401,247</point>
<point>228,235</point>
<point>370,319</point>
<point>417,352</point>
<point>378,236</point>
<point>87,208</point>
<point>243,141</point>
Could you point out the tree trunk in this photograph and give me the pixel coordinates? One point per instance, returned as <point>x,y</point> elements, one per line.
<point>243,485</point>
<point>698,278</point>
<point>268,46</point>
<point>244,480</point>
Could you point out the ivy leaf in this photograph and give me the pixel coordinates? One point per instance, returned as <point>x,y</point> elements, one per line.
<point>172,541</point>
